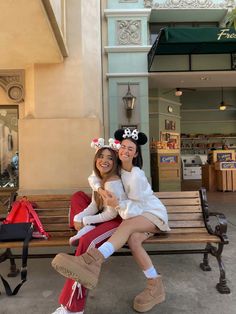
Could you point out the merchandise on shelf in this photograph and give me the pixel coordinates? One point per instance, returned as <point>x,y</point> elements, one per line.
<point>200,143</point>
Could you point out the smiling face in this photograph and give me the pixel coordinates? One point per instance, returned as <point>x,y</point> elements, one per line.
<point>104,161</point>
<point>127,152</point>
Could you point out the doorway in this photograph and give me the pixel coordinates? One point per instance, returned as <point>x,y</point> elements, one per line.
<point>9,155</point>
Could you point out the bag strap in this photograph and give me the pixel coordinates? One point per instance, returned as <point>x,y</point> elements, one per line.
<point>23,271</point>
<point>38,223</point>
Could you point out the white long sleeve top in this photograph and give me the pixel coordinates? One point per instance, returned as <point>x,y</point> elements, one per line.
<point>90,214</point>
<point>140,196</point>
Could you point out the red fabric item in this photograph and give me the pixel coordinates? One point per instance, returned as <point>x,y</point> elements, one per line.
<point>75,302</point>
<point>79,201</point>
<point>19,213</point>
<point>22,211</point>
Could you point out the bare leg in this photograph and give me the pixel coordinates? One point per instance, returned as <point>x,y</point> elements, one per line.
<point>154,293</point>
<point>128,227</point>
<point>139,253</point>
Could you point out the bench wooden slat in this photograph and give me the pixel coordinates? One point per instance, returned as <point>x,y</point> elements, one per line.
<point>55,241</point>
<point>52,212</point>
<point>177,194</point>
<point>53,204</point>
<point>56,226</point>
<point>188,216</point>
<point>52,220</point>
<point>189,230</point>
<point>183,209</point>
<point>184,224</point>
<point>180,202</point>
<point>184,238</point>
<point>51,197</point>
<point>65,233</point>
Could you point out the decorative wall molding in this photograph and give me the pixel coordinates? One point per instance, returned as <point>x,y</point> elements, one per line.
<point>156,113</point>
<point>128,74</point>
<point>187,4</point>
<point>12,82</point>
<point>129,12</point>
<point>110,49</point>
<point>125,1</point>
<point>129,32</point>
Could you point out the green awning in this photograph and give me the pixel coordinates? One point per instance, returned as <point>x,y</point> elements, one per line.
<point>196,40</point>
<point>193,41</point>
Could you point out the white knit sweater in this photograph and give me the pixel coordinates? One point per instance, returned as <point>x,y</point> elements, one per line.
<point>140,196</point>
<point>90,214</point>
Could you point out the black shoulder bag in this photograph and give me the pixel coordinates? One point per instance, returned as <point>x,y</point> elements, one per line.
<point>17,232</point>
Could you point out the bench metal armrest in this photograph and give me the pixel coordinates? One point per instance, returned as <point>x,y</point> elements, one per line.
<point>220,226</point>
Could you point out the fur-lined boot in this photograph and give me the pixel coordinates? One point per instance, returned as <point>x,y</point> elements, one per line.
<point>84,268</point>
<point>153,294</point>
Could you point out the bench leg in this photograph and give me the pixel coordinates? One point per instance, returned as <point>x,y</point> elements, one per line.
<point>205,263</point>
<point>222,285</point>
<point>13,269</point>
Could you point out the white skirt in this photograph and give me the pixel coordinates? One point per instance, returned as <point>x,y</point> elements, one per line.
<point>160,224</point>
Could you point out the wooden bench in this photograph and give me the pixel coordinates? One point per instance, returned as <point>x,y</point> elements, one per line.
<point>189,219</point>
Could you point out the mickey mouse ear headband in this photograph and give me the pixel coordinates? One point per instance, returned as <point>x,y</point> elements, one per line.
<point>139,137</point>
<point>98,143</point>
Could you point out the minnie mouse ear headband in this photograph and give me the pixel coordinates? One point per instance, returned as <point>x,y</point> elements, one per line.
<point>139,137</point>
<point>98,143</point>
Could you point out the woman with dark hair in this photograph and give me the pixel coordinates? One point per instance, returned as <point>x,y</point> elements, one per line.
<point>147,215</point>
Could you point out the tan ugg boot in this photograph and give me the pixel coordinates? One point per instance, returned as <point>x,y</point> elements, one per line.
<point>153,294</point>
<point>84,268</point>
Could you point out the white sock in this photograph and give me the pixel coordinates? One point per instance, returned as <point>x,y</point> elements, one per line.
<point>151,272</point>
<point>107,249</point>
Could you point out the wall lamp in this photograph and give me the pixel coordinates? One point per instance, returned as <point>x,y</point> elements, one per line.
<point>178,92</point>
<point>129,101</point>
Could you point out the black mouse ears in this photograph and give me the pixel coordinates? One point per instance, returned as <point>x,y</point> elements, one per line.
<point>139,137</point>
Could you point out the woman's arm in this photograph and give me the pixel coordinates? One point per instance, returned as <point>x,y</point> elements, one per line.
<point>114,185</point>
<point>95,184</point>
<point>108,214</point>
<point>90,210</point>
<point>125,207</point>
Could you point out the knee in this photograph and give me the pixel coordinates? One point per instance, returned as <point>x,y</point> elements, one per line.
<point>135,241</point>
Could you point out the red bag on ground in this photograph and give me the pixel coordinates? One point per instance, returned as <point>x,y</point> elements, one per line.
<point>79,201</point>
<point>23,211</point>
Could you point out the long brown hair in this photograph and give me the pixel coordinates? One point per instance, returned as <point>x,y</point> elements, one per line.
<point>113,172</point>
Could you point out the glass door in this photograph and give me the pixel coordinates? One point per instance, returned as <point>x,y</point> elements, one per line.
<point>9,157</point>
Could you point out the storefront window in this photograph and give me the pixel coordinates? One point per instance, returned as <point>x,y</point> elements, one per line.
<point>9,156</point>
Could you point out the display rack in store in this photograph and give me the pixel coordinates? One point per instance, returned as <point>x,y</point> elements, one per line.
<point>201,144</point>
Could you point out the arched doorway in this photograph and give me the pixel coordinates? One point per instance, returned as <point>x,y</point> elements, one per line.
<point>9,157</point>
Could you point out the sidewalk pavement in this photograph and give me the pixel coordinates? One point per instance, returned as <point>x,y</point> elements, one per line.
<point>189,290</point>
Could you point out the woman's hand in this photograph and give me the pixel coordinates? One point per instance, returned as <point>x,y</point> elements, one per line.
<point>110,199</point>
<point>102,192</point>
<point>78,225</point>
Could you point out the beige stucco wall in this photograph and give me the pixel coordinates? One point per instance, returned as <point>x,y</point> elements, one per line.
<point>55,154</point>
<point>63,109</point>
